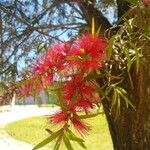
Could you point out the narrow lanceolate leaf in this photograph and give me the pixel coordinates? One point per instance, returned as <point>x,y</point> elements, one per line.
<point>128,102</point>
<point>93,26</point>
<point>82,145</point>
<point>118,104</point>
<point>110,48</point>
<point>67,143</point>
<point>127,54</point>
<point>120,90</point>
<point>58,142</point>
<point>73,137</point>
<point>98,31</point>
<point>137,56</point>
<point>114,100</point>
<point>49,139</point>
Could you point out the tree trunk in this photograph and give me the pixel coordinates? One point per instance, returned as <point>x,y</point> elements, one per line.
<point>131,129</point>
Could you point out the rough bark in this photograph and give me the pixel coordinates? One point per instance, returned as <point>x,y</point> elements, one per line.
<point>131,130</point>
<point>123,6</point>
<point>89,10</point>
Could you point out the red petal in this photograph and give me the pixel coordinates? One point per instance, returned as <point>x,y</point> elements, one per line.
<point>59,117</point>
<point>80,126</point>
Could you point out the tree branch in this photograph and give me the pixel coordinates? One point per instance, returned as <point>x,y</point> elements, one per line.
<point>89,11</point>
<point>123,7</point>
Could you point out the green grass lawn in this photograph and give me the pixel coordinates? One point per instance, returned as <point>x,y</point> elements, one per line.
<point>32,130</point>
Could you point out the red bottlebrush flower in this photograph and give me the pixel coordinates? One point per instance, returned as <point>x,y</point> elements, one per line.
<point>68,91</point>
<point>89,52</point>
<point>58,56</point>
<point>41,65</point>
<point>77,88</point>
<point>80,126</point>
<point>70,87</point>
<point>32,85</point>
<point>83,104</point>
<point>53,58</point>
<point>59,117</point>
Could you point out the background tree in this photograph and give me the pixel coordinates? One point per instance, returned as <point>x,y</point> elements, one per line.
<point>29,28</point>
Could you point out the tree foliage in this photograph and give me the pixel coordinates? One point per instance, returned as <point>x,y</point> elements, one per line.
<point>30,27</point>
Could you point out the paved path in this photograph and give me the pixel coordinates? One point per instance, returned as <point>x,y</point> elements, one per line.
<point>9,143</point>
<point>19,112</point>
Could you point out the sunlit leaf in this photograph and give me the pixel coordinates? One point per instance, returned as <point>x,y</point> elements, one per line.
<point>136,55</point>
<point>114,99</point>
<point>128,59</point>
<point>110,48</point>
<point>128,102</point>
<point>49,139</point>
<point>73,137</point>
<point>98,30</point>
<point>58,142</point>
<point>67,143</point>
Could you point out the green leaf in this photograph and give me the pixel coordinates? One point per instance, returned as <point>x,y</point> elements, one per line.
<point>98,30</point>
<point>118,104</point>
<point>114,99</point>
<point>110,48</point>
<point>49,139</point>
<point>128,102</point>
<point>67,143</point>
<point>127,54</point>
<point>136,55</point>
<point>120,90</point>
<point>73,137</point>
<point>58,142</point>
<point>82,145</point>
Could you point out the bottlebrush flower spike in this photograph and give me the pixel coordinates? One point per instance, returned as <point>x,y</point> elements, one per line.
<point>90,50</point>
<point>59,117</point>
<point>66,65</point>
<point>80,126</point>
<point>83,104</point>
<point>53,58</point>
<point>77,86</point>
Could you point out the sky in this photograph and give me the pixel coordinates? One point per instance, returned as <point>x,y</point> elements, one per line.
<point>22,64</point>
